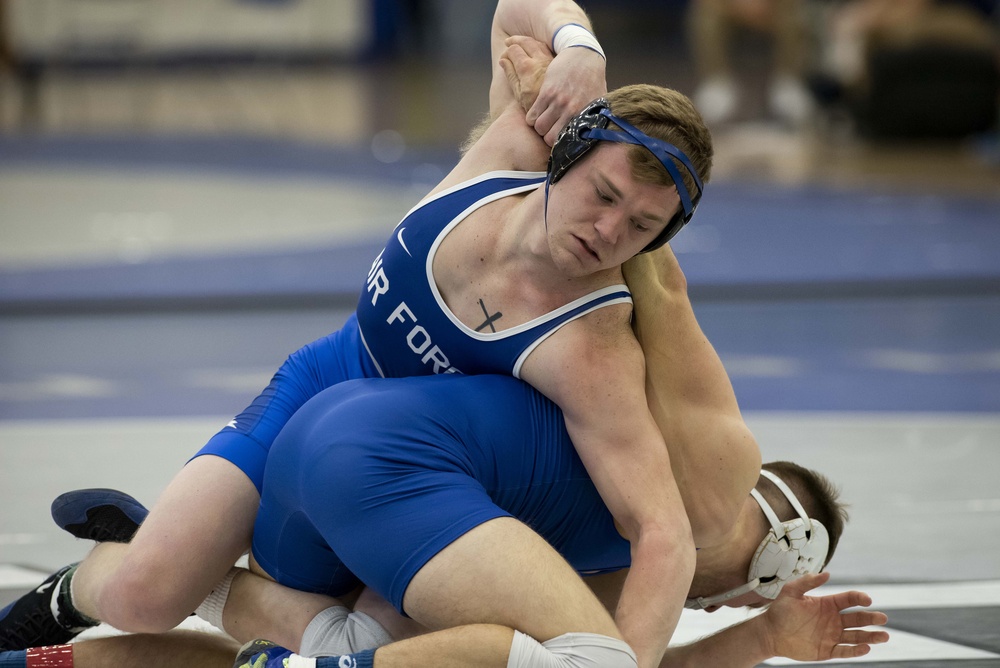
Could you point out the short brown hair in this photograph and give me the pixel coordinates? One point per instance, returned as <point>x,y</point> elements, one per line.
<point>818,495</point>
<point>669,116</point>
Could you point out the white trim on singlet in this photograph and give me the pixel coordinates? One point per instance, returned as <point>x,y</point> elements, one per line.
<point>495,336</point>
<point>500,174</point>
<point>534,344</point>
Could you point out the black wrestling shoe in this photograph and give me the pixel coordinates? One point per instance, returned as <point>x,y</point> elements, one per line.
<point>30,622</point>
<point>104,515</point>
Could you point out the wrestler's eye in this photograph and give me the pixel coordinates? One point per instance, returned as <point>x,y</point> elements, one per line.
<point>604,197</point>
<point>639,226</point>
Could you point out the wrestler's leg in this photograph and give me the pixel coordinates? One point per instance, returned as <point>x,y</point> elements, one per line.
<point>498,577</point>
<point>193,535</point>
<point>502,572</point>
<point>481,645</point>
<point>379,609</point>
<point>168,650</point>
<point>259,607</point>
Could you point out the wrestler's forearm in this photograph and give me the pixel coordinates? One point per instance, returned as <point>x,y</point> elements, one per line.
<point>577,74</point>
<point>738,646</point>
<point>654,592</point>
<point>538,18</point>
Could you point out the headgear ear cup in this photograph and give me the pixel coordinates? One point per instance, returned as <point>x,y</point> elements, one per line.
<point>570,146</point>
<point>590,126</point>
<point>799,551</point>
<point>791,549</point>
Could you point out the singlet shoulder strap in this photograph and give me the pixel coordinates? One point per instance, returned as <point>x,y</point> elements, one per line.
<point>613,294</point>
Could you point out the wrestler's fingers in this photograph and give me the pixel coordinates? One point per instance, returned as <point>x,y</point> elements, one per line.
<point>524,95</point>
<point>863,637</point>
<point>531,46</point>
<point>552,133</point>
<point>539,107</point>
<point>800,586</point>
<point>543,114</point>
<point>517,55</point>
<point>852,599</point>
<point>523,43</point>
<point>861,618</point>
<point>546,117</point>
<point>849,651</point>
<point>510,72</point>
<point>507,65</point>
<point>523,74</point>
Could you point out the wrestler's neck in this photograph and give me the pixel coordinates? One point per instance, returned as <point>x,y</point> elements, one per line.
<point>502,238</point>
<point>529,244</point>
<point>731,557</point>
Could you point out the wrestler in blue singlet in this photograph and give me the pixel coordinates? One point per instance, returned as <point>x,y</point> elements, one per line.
<point>403,318</point>
<point>371,478</point>
<point>402,326</point>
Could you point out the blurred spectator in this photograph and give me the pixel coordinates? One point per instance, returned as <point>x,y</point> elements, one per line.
<point>712,26</point>
<point>915,68</point>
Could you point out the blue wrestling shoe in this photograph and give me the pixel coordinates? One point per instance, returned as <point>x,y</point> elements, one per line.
<point>265,654</point>
<point>37,619</point>
<point>103,515</point>
<point>262,654</point>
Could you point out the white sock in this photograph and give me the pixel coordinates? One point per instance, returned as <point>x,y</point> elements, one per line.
<point>212,607</point>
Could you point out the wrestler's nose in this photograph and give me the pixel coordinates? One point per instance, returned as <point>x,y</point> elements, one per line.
<point>609,227</point>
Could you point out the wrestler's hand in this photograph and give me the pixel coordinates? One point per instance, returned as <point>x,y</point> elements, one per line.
<point>525,61</point>
<point>558,88</point>
<point>810,628</point>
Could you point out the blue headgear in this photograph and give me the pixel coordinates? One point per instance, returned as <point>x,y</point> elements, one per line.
<point>590,126</point>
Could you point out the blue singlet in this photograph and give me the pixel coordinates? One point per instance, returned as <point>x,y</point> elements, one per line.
<point>402,326</point>
<point>372,478</point>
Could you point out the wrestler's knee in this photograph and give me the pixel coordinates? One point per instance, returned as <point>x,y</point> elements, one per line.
<point>337,630</point>
<point>571,650</point>
<point>144,599</point>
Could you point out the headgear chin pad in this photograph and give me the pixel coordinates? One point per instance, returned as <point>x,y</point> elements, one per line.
<point>590,126</point>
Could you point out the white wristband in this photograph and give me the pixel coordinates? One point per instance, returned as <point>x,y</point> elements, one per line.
<point>574,34</point>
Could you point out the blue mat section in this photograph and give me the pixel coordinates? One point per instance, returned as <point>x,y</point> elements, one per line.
<point>755,236</point>
<point>746,239</point>
<point>333,274</point>
<point>816,298</point>
<point>924,354</point>
<point>744,242</point>
<point>929,354</point>
<point>235,155</point>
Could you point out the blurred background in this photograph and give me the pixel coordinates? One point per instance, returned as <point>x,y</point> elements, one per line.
<point>192,189</point>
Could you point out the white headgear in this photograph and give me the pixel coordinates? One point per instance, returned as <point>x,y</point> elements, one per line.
<point>790,550</point>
